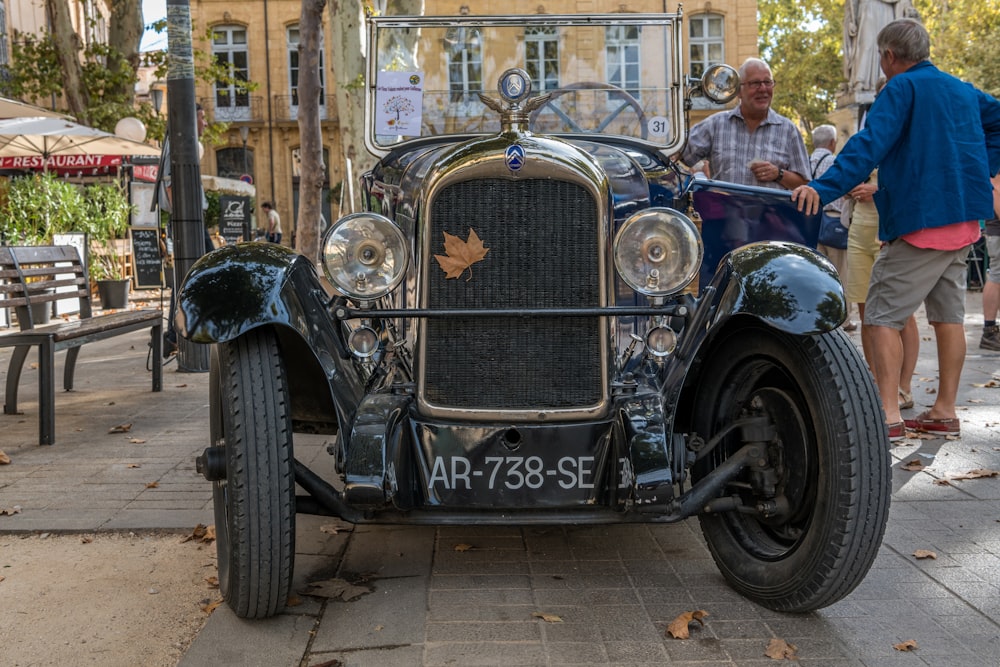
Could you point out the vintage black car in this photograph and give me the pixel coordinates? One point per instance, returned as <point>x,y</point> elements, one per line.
<point>542,319</point>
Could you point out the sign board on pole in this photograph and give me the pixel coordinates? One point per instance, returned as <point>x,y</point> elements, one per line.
<point>234,218</point>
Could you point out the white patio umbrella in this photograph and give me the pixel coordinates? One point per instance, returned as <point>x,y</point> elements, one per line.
<point>46,138</point>
<point>16,109</point>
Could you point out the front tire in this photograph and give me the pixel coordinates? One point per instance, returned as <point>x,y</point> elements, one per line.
<point>830,455</point>
<point>255,502</point>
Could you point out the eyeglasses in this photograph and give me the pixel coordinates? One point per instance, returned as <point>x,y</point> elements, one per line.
<point>757,85</point>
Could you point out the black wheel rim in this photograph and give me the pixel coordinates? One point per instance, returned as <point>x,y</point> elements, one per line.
<point>763,388</point>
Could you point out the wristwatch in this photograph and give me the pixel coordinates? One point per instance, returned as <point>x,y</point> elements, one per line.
<point>781,175</point>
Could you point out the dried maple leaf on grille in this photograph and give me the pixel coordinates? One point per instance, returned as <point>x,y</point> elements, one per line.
<point>460,255</point>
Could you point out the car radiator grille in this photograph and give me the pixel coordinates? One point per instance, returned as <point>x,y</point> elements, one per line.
<point>542,237</point>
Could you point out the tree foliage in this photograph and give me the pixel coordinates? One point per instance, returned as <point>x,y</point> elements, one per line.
<point>803,43</point>
<point>965,39</point>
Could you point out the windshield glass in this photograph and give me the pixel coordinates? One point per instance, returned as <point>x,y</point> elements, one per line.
<point>613,75</point>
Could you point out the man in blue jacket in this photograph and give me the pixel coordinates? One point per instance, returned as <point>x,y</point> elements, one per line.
<point>936,142</point>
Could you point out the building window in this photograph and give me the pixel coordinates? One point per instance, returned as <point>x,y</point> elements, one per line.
<point>293,74</point>
<point>705,41</point>
<point>464,48</point>
<point>229,48</point>
<point>622,48</point>
<point>541,55</point>
<point>234,162</point>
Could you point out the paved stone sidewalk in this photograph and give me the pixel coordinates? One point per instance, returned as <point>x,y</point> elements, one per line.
<point>614,587</point>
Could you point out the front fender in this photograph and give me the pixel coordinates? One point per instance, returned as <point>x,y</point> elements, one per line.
<point>787,285</point>
<point>240,287</point>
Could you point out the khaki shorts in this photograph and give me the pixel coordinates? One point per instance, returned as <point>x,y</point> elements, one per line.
<point>905,276</point>
<point>993,252</point>
<point>862,249</point>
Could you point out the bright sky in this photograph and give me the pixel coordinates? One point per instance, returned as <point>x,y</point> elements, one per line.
<point>153,10</point>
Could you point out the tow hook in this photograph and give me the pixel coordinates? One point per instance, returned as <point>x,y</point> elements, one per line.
<point>212,463</point>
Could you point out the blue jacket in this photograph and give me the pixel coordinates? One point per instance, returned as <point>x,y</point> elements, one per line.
<point>936,142</point>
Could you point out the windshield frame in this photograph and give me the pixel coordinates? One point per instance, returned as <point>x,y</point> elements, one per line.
<point>673,69</point>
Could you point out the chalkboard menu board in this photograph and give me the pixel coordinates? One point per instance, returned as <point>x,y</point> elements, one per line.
<point>146,261</point>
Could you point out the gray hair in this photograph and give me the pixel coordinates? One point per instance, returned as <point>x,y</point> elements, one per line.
<point>824,135</point>
<point>752,61</point>
<point>907,39</point>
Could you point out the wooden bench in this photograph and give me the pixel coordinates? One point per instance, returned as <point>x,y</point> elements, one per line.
<point>44,275</point>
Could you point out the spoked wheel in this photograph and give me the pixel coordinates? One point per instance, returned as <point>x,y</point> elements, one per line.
<point>620,98</point>
<point>829,463</point>
<point>255,501</point>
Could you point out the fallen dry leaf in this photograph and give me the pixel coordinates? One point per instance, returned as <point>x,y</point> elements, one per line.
<point>134,465</point>
<point>208,606</point>
<point>908,645</point>
<point>121,428</point>
<point>212,581</point>
<point>976,473</point>
<point>975,400</point>
<point>913,466</point>
<point>152,485</point>
<point>548,618</point>
<point>2,577</point>
<point>293,601</point>
<point>4,459</point>
<point>329,663</point>
<point>136,441</point>
<point>678,627</point>
<point>379,628</point>
<point>942,482</point>
<point>920,554</point>
<point>10,511</point>
<point>337,588</point>
<point>460,255</point>
<point>330,529</point>
<point>86,540</point>
<point>180,386</point>
<point>779,649</point>
<point>201,533</point>
<point>462,547</point>
<point>991,383</point>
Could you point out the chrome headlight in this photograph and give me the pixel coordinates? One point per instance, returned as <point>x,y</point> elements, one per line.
<point>720,83</point>
<point>658,251</point>
<point>365,255</point>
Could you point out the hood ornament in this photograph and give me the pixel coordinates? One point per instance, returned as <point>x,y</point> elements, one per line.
<point>514,86</point>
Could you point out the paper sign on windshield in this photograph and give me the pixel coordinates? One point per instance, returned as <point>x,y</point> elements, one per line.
<point>398,103</point>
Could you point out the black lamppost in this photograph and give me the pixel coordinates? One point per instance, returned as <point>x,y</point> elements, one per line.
<point>244,133</point>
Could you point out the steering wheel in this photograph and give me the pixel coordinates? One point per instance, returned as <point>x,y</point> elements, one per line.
<point>614,92</point>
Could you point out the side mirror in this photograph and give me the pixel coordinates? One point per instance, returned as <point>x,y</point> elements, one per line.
<point>720,83</point>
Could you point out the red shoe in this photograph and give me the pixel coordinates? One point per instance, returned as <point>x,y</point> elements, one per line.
<point>897,431</point>
<point>924,423</point>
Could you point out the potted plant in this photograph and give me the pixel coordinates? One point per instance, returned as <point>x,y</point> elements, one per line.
<point>106,219</point>
<point>34,207</point>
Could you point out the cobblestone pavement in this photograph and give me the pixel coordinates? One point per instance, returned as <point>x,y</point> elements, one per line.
<point>615,588</point>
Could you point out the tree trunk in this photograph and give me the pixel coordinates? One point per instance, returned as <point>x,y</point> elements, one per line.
<point>68,46</point>
<point>124,37</point>
<point>311,147</point>
<point>348,65</point>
